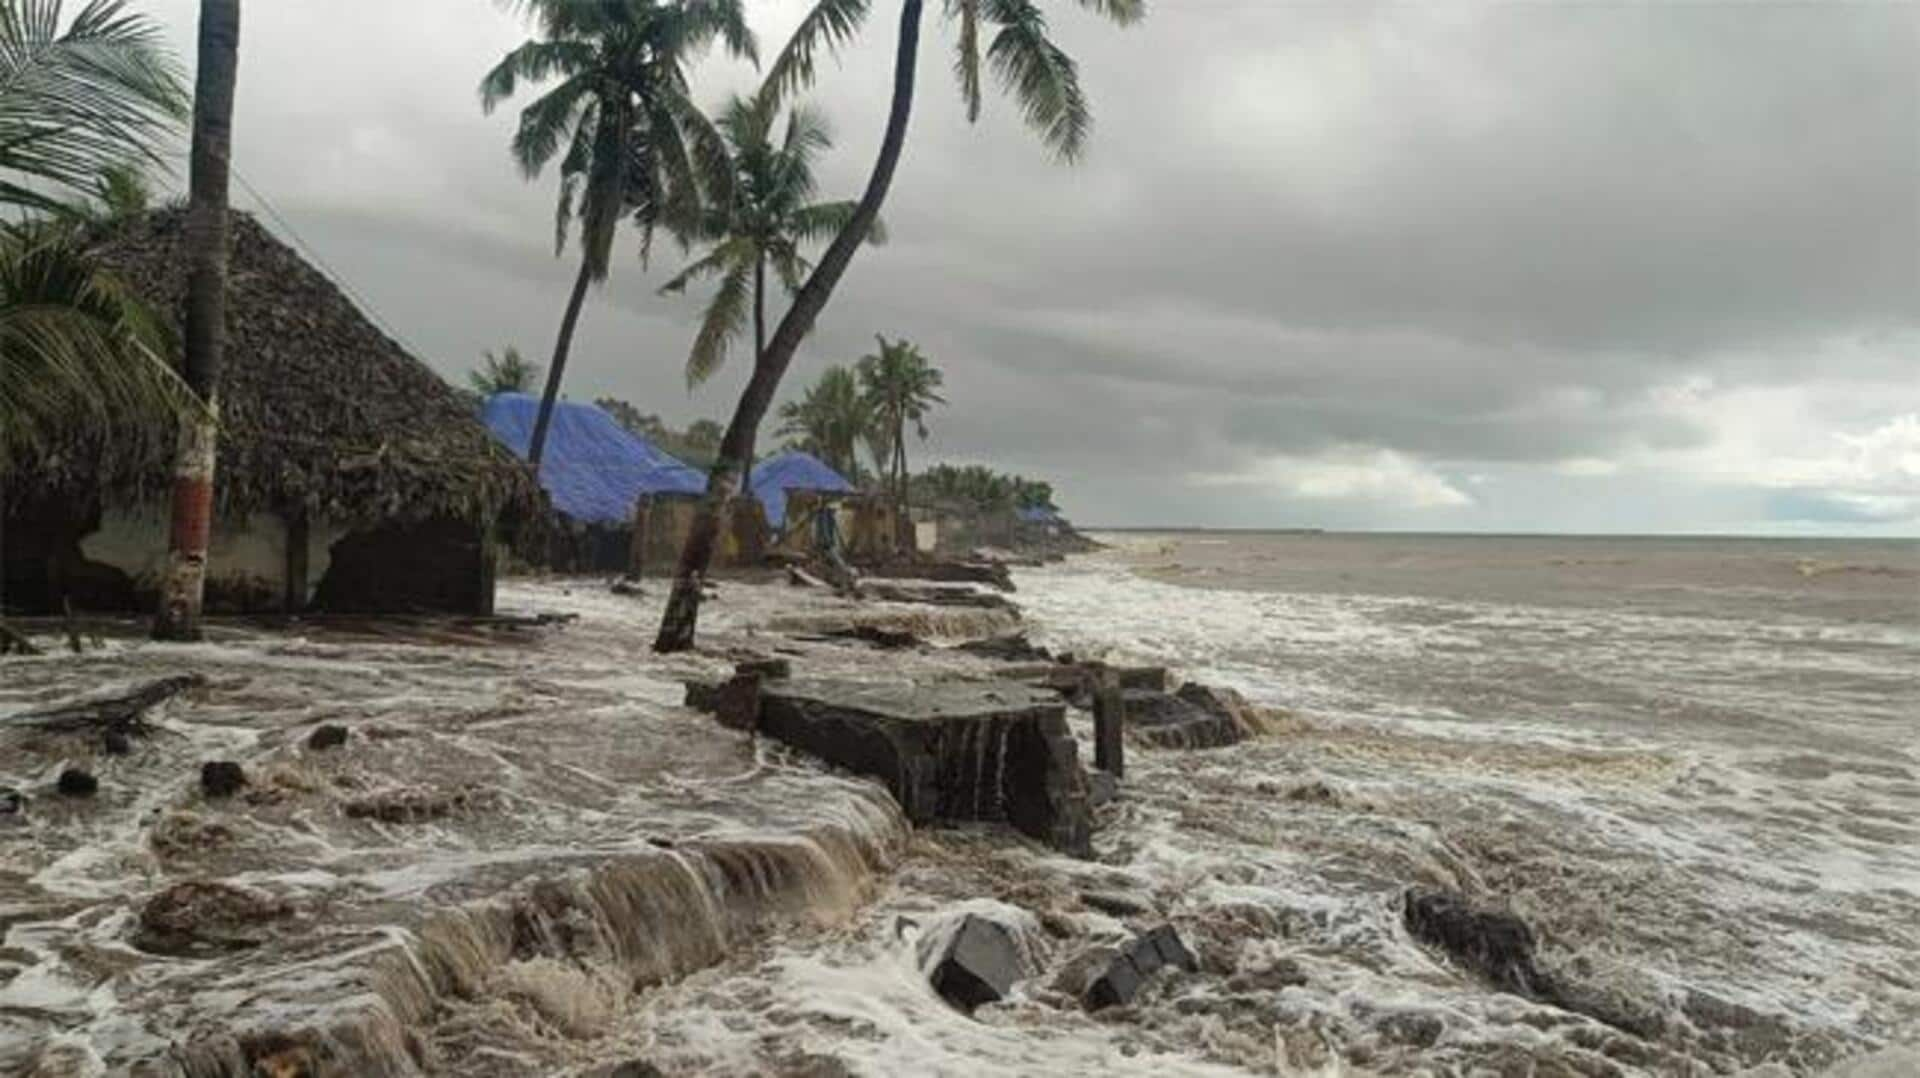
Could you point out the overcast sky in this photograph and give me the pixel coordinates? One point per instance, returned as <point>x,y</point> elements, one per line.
<point>1529,266</point>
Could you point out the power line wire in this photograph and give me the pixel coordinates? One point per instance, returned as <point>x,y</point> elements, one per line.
<point>331,274</point>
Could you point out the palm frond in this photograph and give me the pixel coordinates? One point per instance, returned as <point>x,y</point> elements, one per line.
<point>827,27</point>
<point>725,320</point>
<point>1042,78</point>
<point>103,92</point>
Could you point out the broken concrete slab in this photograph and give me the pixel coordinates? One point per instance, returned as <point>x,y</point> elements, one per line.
<point>977,963</point>
<point>957,751</point>
<point>1492,943</point>
<point>1014,648</point>
<point>734,703</point>
<point>991,573</point>
<point>1128,971</point>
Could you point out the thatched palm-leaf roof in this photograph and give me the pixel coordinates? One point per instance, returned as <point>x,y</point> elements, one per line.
<point>320,410</point>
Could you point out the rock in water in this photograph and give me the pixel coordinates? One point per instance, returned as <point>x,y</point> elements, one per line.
<point>978,964</point>
<point>327,736</point>
<point>201,917</point>
<point>1496,945</point>
<point>221,778</point>
<point>956,751</point>
<point>77,783</point>
<point>12,801</point>
<point>1124,975</point>
<point>115,743</point>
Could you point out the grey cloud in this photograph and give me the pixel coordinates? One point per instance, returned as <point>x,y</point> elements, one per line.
<point>1485,236</point>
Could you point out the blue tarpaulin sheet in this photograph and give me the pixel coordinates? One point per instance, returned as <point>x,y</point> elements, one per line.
<point>789,471</point>
<point>593,468</point>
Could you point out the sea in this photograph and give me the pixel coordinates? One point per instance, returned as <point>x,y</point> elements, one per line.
<point>1690,765</point>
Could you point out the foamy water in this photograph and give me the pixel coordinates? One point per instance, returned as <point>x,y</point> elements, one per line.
<point>1705,806</point>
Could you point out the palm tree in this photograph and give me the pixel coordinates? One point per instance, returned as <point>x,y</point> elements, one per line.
<point>628,137</point>
<point>209,165</point>
<point>771,217</point>
<point>75,102</point>
<point>900,387</point>
<point>507,372</point>
<point>1029,65</point>
<point>830,420</point>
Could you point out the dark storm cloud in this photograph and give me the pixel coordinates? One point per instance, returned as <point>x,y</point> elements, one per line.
<point>1477,239</point>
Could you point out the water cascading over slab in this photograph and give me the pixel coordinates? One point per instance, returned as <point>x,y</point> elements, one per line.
<point>994,751</point>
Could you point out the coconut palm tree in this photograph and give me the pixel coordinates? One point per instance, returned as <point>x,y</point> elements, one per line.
<point>770,218</point>
<point>77,100</point>
<point>629,140</point>
<point>507,372</point>
<point>900,387</point>
<point>205,337</point>
<point>1040,76</point>
<point>830,421</point>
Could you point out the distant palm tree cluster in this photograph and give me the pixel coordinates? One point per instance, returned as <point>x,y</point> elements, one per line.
<point>872,404</point>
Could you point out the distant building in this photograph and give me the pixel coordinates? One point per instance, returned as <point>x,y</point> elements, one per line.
<point>350,477</point>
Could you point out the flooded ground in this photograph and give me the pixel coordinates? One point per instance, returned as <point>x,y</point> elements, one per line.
<point>1706,814</point>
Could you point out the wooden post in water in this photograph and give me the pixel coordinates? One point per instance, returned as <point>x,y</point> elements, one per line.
<point>637,547</point>
<point>1109,722</point>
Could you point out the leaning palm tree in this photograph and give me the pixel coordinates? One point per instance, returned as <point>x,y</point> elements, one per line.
<point>629,140</point>
<point>771,217</point>
<point>900,388</point>
<point>505,372</point>
<point>1029,65</point>
<point>830,421</point>
<point>77,100</point>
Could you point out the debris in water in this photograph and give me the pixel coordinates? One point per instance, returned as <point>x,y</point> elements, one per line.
<point>115,743</point>
<point>1149,953</point>
<point>12,801</point>
<point>75,782</point>
<point>200,917</point>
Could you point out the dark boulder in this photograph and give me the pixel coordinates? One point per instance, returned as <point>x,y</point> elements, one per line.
<point>221,778</point>
<point>115,743</point>
<point>948,751</point>
<point>978,963</point>
<point>1494,944</point>
<point>12,801</point>
<point>74,782</point>
<point>734,703</point>
<point>327,736</point>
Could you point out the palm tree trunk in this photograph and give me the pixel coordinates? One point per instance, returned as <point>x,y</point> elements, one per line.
<point>759,351</point>
<point>184,589</point>
<point>683,606</point>
<point>561,347</point>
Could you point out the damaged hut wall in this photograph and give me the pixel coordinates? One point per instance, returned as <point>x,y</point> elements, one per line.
<point>438,565</point>
<point>665,522</point>
<point>113,562</point>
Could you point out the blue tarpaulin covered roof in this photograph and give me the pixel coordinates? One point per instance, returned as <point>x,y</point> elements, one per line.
<point>593,468</point>
<point>793,470</point>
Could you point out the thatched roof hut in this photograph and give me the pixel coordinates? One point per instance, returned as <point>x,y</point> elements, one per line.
<point>324,418</point>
